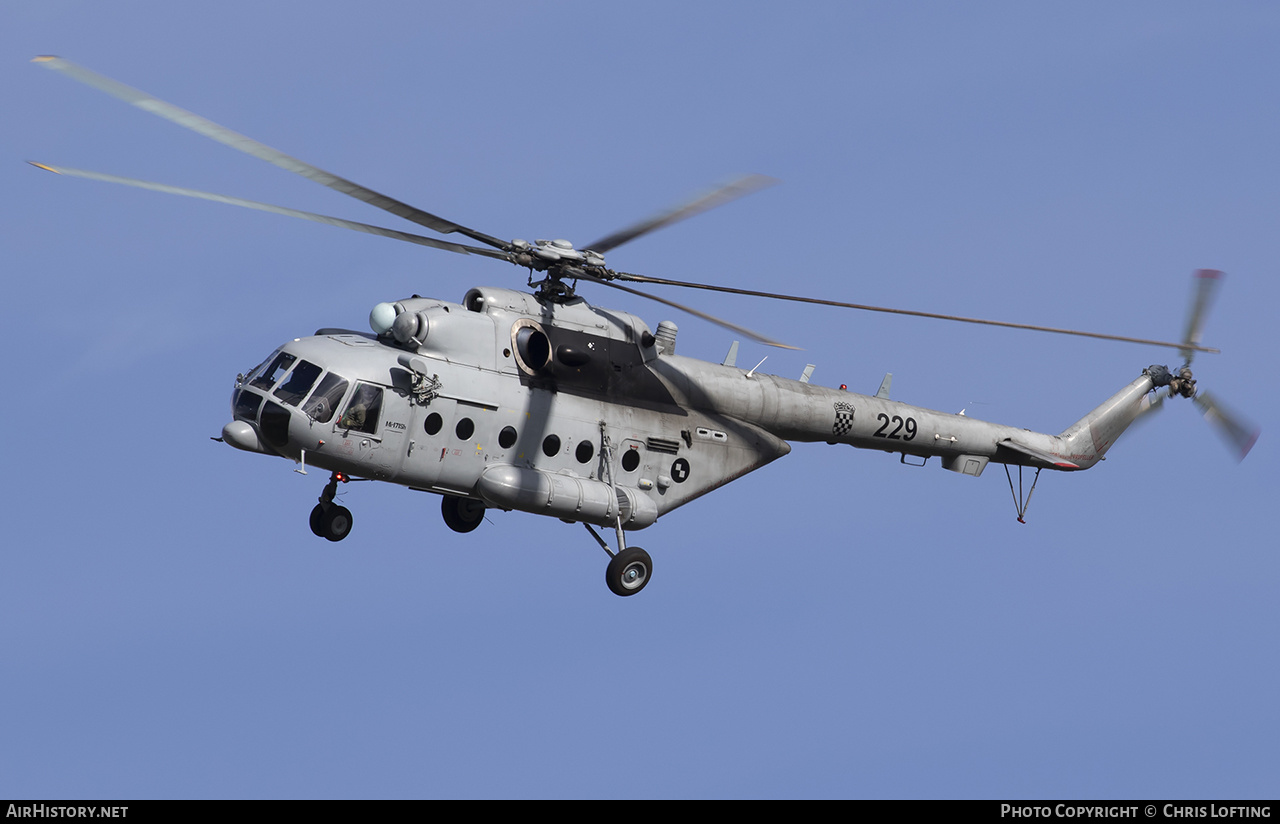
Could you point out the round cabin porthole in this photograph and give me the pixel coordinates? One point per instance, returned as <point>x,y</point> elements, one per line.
<point>630,460</point>
<point>433,423</point>
<point>465,429</point>
<point>585,451</point>
<point>507,437</point>
<point>551,446</point>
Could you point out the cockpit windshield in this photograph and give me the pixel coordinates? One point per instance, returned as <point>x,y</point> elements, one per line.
<point>255,372</point>
<point>273,372</point>
<point>299,383</point>
<point>246,406</point>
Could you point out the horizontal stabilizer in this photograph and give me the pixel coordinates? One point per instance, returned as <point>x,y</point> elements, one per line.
<point>1038,455</point>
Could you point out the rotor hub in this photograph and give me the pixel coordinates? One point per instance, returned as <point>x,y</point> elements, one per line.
<point>1183,383</point>
<point>560,262</point>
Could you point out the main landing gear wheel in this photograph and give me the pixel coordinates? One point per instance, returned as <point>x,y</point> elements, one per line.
<point>461,514</point>
<point>332,523</point>
<point>629,571</point>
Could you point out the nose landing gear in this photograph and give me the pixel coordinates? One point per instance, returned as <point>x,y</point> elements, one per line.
<point>329,520</point>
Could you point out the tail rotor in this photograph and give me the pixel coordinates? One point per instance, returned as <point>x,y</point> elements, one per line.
<point>1239,434</point>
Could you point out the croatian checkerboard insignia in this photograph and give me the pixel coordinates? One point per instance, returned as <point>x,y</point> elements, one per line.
<point>844,418</point>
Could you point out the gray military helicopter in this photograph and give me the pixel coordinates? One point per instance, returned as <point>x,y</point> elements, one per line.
<point>541,402</point>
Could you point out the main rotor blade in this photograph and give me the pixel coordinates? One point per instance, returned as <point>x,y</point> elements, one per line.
<point>248,145</point>
<point>279,210</point>
<point>732,190</point>
<point>841,304</point>
<point>1241,436</point>
<point>1206,283</point>
<point>733,327</point>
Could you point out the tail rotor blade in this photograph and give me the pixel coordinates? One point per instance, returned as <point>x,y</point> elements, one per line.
<point>1206,283</point>
<point>1152,403</point>
<point>1238,434</point>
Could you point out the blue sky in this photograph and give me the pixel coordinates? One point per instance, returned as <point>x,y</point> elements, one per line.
<point>834,625</point>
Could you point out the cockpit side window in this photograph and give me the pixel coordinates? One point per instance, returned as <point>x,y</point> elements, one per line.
<point>324,401</point>
<point>274,372</point>
<point>299,383</point>
<point>363,409</point>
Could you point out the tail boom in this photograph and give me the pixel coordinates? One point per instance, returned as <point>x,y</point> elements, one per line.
<point>805,412</point>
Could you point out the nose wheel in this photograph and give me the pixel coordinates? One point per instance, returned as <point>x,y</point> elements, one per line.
<point>332,524</point>
<point>329,520</point>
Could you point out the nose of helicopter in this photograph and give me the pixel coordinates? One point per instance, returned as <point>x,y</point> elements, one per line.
<point>263,425</point>
<point>260,422</point>
<point>259,425</point>
<point>242,435</point>
<point>276,407</point>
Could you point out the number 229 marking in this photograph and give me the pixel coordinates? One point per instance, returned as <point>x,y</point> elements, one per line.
<point>909,424</point>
